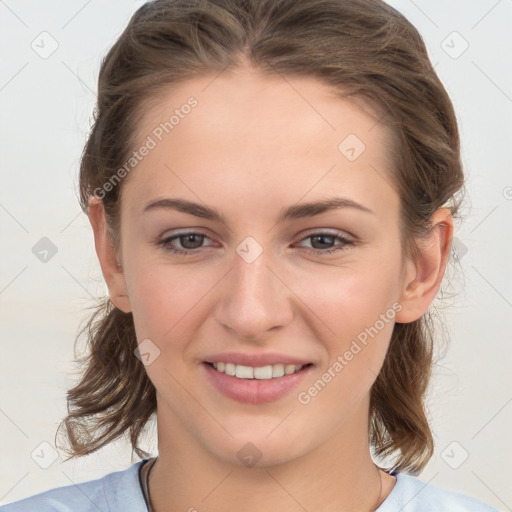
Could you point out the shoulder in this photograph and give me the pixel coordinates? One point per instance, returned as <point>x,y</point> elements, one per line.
<point>116,491</point>
<point>411,494</point>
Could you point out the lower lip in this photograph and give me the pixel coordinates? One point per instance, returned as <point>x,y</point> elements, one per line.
<point>255,391</point>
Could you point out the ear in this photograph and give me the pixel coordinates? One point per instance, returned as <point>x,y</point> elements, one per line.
<point>111,269</point>
<point>423,277</point>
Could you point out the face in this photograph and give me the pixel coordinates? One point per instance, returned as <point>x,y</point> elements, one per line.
<point>318,287</point>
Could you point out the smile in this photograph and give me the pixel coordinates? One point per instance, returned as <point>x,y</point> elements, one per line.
<point>261,372</point>
<point>255,384</point>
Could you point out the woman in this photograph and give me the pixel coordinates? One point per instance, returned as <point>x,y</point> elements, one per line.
<point>272,187</point>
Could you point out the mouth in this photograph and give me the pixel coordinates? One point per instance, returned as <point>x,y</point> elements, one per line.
<point>255,384</point>
<point>268,372</point>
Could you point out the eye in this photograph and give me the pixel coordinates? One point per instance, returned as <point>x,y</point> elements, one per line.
<point>190,241</point>
<point>193,241</point>
<point>322,239</point>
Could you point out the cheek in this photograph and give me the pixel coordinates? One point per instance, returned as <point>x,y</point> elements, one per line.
<point>359,312</point>
<point>338,300</point>
<point>350,298</point>
<point>166,298</point>
<point>355,308</point>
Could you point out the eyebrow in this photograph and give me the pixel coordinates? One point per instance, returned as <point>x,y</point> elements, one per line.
<point>297,211</point>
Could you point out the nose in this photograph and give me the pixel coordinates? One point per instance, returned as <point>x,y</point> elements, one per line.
<point>254,298</point>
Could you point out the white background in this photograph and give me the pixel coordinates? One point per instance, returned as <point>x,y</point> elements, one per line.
<point>46,107</point>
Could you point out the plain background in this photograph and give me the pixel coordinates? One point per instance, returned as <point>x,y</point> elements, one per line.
<point>46,106</point>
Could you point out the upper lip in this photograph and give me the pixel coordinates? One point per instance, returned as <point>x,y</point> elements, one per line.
<point>255,360</point>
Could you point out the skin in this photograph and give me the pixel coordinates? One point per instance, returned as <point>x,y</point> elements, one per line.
<point>253,146</point>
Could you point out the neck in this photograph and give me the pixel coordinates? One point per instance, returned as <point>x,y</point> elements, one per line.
<point>337,476</point>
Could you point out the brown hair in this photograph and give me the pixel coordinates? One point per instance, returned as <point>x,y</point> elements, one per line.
<point>365,49</point>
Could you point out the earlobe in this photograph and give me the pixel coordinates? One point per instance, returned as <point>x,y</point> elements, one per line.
<point>424,276</point>
<point>110,267</point>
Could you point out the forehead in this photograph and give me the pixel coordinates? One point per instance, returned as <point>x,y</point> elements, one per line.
<point>247,131</point>
<point>249,101</point>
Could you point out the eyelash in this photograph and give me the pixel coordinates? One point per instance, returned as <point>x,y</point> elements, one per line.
<point>165,243</point>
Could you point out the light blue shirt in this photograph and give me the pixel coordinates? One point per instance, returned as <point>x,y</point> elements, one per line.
<point>121,492</point>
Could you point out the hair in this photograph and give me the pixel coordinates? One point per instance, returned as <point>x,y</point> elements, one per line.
<point>366,50</point>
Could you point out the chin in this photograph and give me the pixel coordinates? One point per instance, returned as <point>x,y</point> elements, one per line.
<point>258,449</point>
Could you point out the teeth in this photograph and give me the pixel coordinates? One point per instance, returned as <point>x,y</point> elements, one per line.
<point>244,372</point>
<point>289,368</point>
<point>260,372</point>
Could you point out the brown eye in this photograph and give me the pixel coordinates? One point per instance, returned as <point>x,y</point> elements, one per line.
<point>322,240</point>
<point>189,242</point>
<point>322,243</point>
